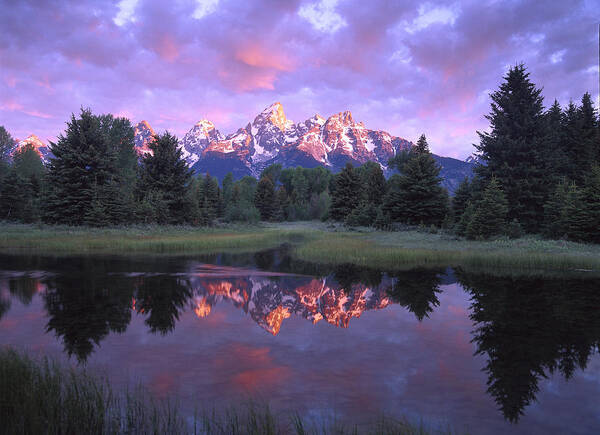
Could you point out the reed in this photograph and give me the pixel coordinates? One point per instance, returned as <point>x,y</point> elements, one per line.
<point>404,250</point>
<point>42,396</point>
<point>151,239</point>
<point>313,242</point>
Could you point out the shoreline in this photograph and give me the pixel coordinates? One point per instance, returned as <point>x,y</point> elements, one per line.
<point>314,242</point>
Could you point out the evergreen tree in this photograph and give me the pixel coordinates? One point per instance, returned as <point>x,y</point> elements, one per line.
<point>555,220</point>
<point>588,150</point>
<point>373,183</point>
<point>422,147</point>
<point>416,196</point>
<point>462,224</point>
<point>461,198</point>
<point>346,196</point>
<point>166,172</point>
<point>273,172</point>
<point>591,210</point>
<point>12,207</point>
<point>565,213</point>
<point>265,199</point>
<point>120,190</point>
<point>513,151</point>
<point>489,218</point>
<point>556,154</point>
<point>282,203</point>
<point>30,170</point>
<point>6,145</point>
<point>209,200</point>
<point>84,161</point>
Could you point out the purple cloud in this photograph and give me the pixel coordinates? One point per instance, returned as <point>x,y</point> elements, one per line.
<point>405,67</point>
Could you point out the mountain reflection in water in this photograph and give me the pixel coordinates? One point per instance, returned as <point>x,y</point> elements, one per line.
<point>525,328</point>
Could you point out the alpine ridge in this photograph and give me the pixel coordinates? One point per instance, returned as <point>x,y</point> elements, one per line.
<point>272,138</point>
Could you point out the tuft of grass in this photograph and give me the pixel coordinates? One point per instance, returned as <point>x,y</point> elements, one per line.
<point>45,397</point>
<point>42,396</point>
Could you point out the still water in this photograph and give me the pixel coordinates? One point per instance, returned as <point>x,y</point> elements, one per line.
<point>473,351</point>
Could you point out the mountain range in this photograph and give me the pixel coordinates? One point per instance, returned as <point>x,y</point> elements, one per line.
<point>270,301</point>
<point>272,138</point>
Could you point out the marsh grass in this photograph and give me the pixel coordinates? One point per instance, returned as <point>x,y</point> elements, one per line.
<point>313,242</point>
<point>408,249</point>
<point>149,239</point>
<point>44,397</point>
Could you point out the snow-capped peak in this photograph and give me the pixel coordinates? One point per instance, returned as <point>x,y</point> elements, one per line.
<point>206,124</point>
<point>143,134</point>
<point>275,115</point>
<point>345,118</point>
<point>38,145</point>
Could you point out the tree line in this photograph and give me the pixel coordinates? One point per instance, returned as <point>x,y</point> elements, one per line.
<point>538,172</point>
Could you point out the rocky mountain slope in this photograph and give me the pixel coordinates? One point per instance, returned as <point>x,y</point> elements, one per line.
<point>38,145</point>
<point>272,138</point>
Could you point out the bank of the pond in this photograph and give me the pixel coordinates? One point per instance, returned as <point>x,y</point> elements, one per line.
<point>313,242</point>
<point>42,396</point>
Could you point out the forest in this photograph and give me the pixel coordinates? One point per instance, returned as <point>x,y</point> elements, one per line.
<point>538,172</point>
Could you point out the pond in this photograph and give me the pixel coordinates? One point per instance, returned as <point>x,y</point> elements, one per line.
<point>482,352</point>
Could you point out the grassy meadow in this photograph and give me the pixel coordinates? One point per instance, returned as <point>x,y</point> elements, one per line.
<point>42,396</point>
<point>312,241</point>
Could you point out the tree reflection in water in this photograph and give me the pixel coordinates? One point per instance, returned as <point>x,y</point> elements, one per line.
<point>526,327</point>
<point>529,327</point>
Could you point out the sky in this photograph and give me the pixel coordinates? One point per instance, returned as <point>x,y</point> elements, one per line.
<point>406,67</point>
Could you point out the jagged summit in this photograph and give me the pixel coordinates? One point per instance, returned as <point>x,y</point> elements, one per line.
<point>272,138</point>
<point>143,135</point>
<point>274,115</point>
<point>344,117</point>
<point>38,145</point>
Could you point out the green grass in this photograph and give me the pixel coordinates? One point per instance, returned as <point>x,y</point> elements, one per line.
<point>313,242</point>
<point>401,250</point>
<point>42,396</point>
<point>148,239</point>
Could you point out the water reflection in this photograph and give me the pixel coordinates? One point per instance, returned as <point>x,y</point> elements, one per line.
<point>526,328</point>
<point>417,290</point>
<point>529,328</point>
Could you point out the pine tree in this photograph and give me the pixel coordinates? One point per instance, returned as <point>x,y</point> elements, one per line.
<point>12,207</point>
<point>589,147</point>
<point>83,160</point>
<point>120,190</point>
<point>165,171</point>
<point>346,195</point>
<point>575,213</point>
<point>209,199</point>
<point>463,223</point>
<point>591,210</point>
<point>7,144</point>
<point>264,199</point>
<point>461,198</point>
<point>513,151</point>
<point>422,147</point>
<point>556,154</point>
<point>282,203</point>
<point>416,196</point>
<point>566,213</point>
<point>489,217</point>
<point>28,166</point>
<point>555,219</point>
<point>373,183</point>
